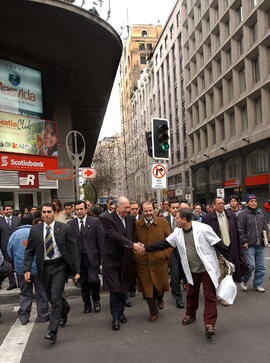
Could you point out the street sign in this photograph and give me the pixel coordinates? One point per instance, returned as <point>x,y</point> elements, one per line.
<point>159,176</point>
<point>59,174</point>
<point>89,173</point>
<point>220,193</point>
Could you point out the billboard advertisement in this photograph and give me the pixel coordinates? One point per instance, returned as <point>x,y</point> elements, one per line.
<point>20,89</point>
<point>27,135</point>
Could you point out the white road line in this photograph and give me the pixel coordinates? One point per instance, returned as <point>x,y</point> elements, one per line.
<point>13,346</point>
<point>267,258</point>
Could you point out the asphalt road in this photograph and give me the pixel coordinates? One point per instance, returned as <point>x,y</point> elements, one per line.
<point>242,334</point>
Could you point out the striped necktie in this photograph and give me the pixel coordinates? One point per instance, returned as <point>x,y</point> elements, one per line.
<point>9,222</point>
<point>49,243</point>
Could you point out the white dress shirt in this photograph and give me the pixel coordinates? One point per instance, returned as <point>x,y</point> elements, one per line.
<point>57,254</point>
<point>7,220</point>
<point>123,220</point>
<point>79,222</point>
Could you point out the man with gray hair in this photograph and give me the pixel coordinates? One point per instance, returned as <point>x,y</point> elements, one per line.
<point>118,271</point>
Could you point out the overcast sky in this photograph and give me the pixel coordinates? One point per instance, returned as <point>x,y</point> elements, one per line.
<point>123,13</point>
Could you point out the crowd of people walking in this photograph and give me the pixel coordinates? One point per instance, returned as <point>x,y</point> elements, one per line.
<point>176,246</point>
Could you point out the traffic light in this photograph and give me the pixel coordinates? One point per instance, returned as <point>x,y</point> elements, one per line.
<point>148,135</point>
<point>160,139</point>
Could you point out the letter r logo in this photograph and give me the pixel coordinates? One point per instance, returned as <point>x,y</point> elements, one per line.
<point>30,179</point>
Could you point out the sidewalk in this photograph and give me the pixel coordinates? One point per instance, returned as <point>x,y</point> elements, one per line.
<point>12,296</point>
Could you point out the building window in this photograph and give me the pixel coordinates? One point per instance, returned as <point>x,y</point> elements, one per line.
<point>171,31</point>
<point>215,173</point>
<point>220,94</point>
<point>242,80</point>
<point>156,59</point>
<point>252,3</point>
<point>213,130</point>
<point>141,46</point>
<point>187,178</point>
<point>216,13</point>
<point>230,89</point>
<point>143,59</point>
<point>217,40</point>
<point>144,33</point>
<point>166,42</point>
<point>256,70</point>
<point>258,110</point>
<point>160,51</point>
<point>210,74</point>
<point>222,129</point>
<point>239,12</point>
<point>227,27</point>
<point>232,124</point>
<point>229,57</point>
<point>218,67</point>
<point>178,18</point>
<point>244,118</point>
<point>240,46</point>
<point>178,155</point>
<point>257,162</point>
<point>232,169</point>
<point>149,46</point>
<point>254,33</point>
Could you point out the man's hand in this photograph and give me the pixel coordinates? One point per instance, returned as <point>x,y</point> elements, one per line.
<point>76,278</point>
<point>245,246</point>
<point>231,266</point>
<point>27,276</point>
<point>138,248</point>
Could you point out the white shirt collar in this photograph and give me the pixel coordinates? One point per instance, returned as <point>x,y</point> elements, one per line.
<point>50,225</point>
<point>84,220</point>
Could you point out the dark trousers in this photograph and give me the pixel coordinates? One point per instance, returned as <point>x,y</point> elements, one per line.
<point>152,302</point>
<point>26,298</point>
<point>53,282</point>
<point>210,299</point>
<point>177,274</point>
<point>117,304</point>
<point>89,288</point>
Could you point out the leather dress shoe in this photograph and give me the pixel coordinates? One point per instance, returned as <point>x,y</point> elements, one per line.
<point>97,307</point>
<point>179,304</point>
<point>63,321</point>
<point>11,287</point>
<point>123,319</point>
<point>128,304</point>
<point>132,294</point>
<point>51,336</point>
<point>209,331</point>
<point>115,324</point>
<point>153,317</point>
<point>87,309</point>
<point>24,322</point>
<point>160,304</point>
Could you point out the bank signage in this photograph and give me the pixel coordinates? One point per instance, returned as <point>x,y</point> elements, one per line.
<point>27,135</point>
<point>28,179</point>
<point>25,162</point>
<point>20,89</point>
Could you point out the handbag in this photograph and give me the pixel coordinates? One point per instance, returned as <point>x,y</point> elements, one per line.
<point>227,290</point>
<point>243,266</point>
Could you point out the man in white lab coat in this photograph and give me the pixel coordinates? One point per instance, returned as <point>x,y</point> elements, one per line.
<point>197,244</point>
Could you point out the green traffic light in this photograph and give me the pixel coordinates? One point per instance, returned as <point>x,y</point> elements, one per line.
<point>165,146</point>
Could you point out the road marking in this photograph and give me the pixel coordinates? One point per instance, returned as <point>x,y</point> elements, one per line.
<point>13,346</point>
<point>267,258</point>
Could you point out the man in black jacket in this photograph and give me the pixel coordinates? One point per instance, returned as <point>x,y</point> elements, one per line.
<point>89,235</point>
<point>8,224</point>
<point>56,256</point>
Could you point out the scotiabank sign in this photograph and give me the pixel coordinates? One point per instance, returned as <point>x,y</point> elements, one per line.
<point>24,162</point>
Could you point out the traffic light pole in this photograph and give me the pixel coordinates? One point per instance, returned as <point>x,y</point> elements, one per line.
<point>158,197</point>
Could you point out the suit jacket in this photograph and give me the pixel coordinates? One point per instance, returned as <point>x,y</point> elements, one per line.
<point>118,267</point>
<point>6,232</point>
<point>235,247</point>
<point>93,239</point>
<point>65,242</point>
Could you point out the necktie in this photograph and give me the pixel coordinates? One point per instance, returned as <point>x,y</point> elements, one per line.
<point>224,230</point>
<point>49,243</point>
<point>9,222</point>
<point>173,224</point>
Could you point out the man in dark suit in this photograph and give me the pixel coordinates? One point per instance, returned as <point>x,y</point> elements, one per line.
<point>111,204</point>
<point>118,268</point>
<point>8,224</point>
<point>176,269</point>
<point>90,240</point>
<point>56,257</point>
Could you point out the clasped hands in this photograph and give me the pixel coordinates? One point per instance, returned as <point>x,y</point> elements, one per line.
<point>138,248</point>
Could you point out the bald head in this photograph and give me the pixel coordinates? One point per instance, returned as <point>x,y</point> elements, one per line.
<point>183,205</point>
<point>123,207</point>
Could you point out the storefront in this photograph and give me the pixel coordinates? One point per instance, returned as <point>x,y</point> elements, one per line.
<point>28,144</point>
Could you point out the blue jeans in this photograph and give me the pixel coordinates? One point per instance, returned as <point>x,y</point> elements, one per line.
<point>255,261</point>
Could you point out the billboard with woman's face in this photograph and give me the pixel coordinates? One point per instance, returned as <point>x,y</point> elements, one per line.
<point>27,135</point>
